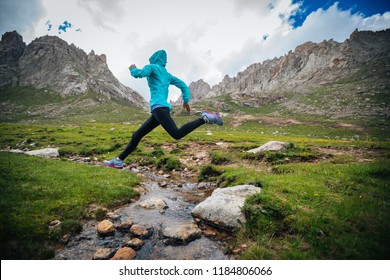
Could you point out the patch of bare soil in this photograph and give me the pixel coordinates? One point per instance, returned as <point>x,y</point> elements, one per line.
<point>349,126</point>
<point>359,154</point>
<point>281,121</point>
<point>267,120</point>
<point>198,154</point>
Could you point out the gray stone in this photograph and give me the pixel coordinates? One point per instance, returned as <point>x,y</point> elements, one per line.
<point>181,233</point>
<point>113,216</point>
<point>153,203</point>
<point>270,146</point>
<point>17,151</point>
<point>223,207</point>
<point>48,152</point>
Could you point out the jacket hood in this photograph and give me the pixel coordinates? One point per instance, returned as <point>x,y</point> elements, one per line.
<point>159,57</point>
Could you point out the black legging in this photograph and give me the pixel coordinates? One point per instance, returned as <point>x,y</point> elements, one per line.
<point>159,116</point>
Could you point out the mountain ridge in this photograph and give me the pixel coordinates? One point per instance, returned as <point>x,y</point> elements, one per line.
<point>322,70</point>
<point>337,80</point>
<point>315,62</point>
<point>50,62</point>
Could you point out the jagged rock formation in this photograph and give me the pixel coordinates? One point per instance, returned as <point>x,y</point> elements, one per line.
<point>313,65</point>
<point>198,89</point>
<point>50,62</point>
<point>11,49</point>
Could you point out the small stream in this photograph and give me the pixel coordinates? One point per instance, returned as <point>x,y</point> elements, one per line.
<point>181,196</point>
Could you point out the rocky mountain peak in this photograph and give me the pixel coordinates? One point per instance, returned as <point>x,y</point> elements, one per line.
<point>50,62</point>
<point>11,49</point>
<point>198,89</point>
<point>14,41</point>
<point>94,57</point>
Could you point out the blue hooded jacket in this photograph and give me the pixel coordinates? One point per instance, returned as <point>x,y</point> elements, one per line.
<point>159,80</point>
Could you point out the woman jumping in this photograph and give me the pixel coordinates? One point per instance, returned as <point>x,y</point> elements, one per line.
<point>158,81</point>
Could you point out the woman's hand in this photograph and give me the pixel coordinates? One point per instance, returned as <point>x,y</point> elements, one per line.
<point>132,66</point>
<point>187,107</point>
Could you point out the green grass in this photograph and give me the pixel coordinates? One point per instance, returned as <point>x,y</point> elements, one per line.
<point>29,96</point>
<point>220,158</point>
<point>169,163</point>
<point>31,105</point>
<point>316,211</point>
<point>313,205</point>
<point>35,191</point>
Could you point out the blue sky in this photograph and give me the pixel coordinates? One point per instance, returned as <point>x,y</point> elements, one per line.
<point>204,39</point>
<point>364,7</point>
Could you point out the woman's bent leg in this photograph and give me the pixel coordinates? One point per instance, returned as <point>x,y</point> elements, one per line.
<point>163,116</point>
<point>147,127</point>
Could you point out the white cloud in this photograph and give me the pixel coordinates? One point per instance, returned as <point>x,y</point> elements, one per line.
<point>376,22</point>
<point>105,13</point>
<point>19,15</point>
<point>260,7</point>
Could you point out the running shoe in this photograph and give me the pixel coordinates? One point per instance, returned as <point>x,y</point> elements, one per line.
<point>114,163</point>
<point>212,118</point>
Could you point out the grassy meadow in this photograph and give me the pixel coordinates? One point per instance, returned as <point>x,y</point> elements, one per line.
<point>326,197</point>
<point>37,191</point>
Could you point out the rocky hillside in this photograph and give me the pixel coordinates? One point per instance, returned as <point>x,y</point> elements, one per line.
<point>51,63</point>
<point>328,78</point>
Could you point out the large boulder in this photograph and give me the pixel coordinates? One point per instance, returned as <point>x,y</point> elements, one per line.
<point>223,207</point>
<point>270,146</point>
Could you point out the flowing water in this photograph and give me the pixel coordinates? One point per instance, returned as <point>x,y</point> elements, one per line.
<point>181,196</point>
